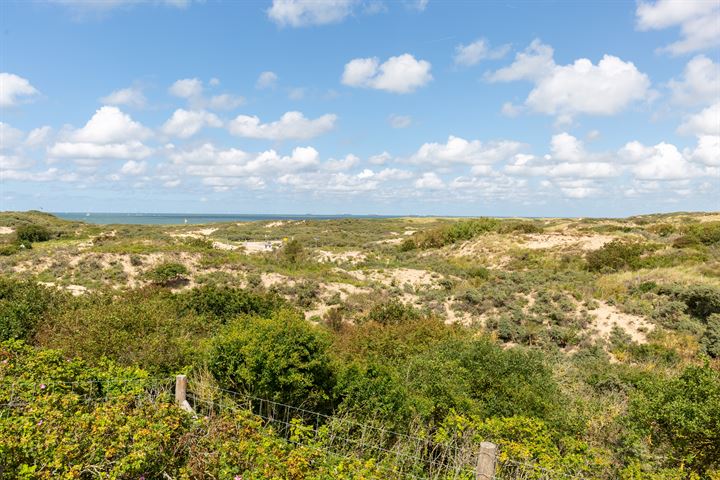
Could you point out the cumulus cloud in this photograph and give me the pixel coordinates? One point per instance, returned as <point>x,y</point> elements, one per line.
<point>110,133</point>
<point>110,125</point>
<point>38,136</point>
<point>705,122</point>
<point>475,52</point>
<point>460,151</point>
<point>186,123</point>
<point>302,13</point>
<point>341,164</point>
<point>15,90</point>
<point>86,150</point>
<point>700,83</point>
<point>401,74</point>
<point>292,125</point>
<point>697,19</point>
<point>662,162</point>
<point>10,137</point>
<point>132,167</point>
<point>707,151</point>
<point>192,90</point>
<point>534,63</point>
<point>578,88</point>
<point>131,97</point>
<point>266,80</point>
<point>429,181</point>
<point>187,88</point>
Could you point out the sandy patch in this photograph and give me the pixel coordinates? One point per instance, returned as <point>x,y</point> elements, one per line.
<point>409,232</point>
<point>75,290</point>
<point>397,276</point>
<point>608,316</point>
<point>270,279</point>
<point>202,233</point>
<point>541,241</point>
<point>6,230</point>
<point>353,256</point>
<point>390,241</point>
<point>224,246</point>
<point>275,224</point>
<point>260,247</point>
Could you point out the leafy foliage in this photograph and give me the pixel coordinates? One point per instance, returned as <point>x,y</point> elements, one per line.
<point>32,233</point>
<point>23,307</point>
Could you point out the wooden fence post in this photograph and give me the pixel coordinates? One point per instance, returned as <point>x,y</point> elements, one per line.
<point>181,393</point>
<point>485,469</point>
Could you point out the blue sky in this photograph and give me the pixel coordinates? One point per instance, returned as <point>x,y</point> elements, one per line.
<point>543,108</point>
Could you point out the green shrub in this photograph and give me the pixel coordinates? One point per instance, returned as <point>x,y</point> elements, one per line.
<point>616,255</point>
<point>227,303</point>
<point>701,300</point>
<point>24,305</point>
<point>282,358</point>
<point>682,417</point>
<point>293,251</point>
<point>32,233</point>
<point>392,313</point>
<point>455,232</point>
<point>168,273</point>
<point>139,328</point>
<point>711,337</point>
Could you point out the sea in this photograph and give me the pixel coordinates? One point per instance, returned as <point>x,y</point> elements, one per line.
<point>192,218</point>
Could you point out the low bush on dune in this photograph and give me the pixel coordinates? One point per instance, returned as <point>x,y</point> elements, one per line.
<point>32,233</point>
<point>24,306</point>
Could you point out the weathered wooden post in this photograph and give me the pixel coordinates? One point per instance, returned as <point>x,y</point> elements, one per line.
<point>485,469</point>
<point>181,393</point>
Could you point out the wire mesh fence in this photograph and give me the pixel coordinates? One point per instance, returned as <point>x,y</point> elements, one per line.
<point>398,455</point>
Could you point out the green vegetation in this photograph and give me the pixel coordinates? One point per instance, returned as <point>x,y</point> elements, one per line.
<point>588,348</point>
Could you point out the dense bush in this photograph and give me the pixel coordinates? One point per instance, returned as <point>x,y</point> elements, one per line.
<point>227,303</point>
<point>616,255</point>
<point>455,232</point>
<point>168,273</point>
<point>392,313</point>
<point>293,252</point>
<point>141,327</point>
<point>282,358</point>
<point>23,307</point>
<point>707,233</point>
<point>701,300</point>
<point>32,233</point>
<point>711,337</point>
<point>682,417</point>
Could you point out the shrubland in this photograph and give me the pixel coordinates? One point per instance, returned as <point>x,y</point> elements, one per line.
<point>455,331</point>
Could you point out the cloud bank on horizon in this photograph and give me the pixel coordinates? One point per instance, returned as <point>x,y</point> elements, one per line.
<point>361,106</point>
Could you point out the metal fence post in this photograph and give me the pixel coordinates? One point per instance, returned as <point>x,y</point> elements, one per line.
<point>485,468</point>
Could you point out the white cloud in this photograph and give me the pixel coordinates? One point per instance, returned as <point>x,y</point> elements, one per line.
<point>429,181</point>
<point>510,110</point>
<point>342,164</point>
<point>401,74</point>
<point>187,88</point>
<point>400,121</point>
<point>131,96</point>
<point>301,13</point>
<point>110,125</point>
<point>458,150</point>
<point>38,136</point>
<point>208,161</point>
<point>186,123</point>
<point>225,101</point>
<point>698,20</point>
<point>380,159</point>
<point>705,122</point>
<point>85,150</point>
<point>10,137</point>
<point>292,125</point>
<point>582,87</point>
<point>131,167</point>
<point>266,80</point>
<point>700,83</point>
<point>707,151</point>
<point>578,88</point>
<point>660,162</point>
<point>475,52</point>
<point>535,62</point>
<point>15,90</point>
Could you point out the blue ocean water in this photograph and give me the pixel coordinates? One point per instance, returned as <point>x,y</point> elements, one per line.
<point>190,218</point>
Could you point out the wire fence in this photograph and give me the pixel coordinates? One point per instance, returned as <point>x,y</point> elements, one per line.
<point>397,455</point>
